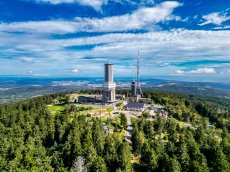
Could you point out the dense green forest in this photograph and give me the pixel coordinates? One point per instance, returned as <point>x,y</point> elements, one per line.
<point>195,137</point>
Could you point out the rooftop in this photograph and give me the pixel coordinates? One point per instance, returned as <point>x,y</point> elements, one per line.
<point>135,105</point>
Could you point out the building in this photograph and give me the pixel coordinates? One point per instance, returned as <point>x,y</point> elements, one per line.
<point>162,113</point>
<point>120,97</point>
<point>133,89</point>
<point>109,86</point>
<point>135,106</point>
<point>90,99</point>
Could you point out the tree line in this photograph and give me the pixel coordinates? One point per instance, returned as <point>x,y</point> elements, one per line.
<point>194,138</point>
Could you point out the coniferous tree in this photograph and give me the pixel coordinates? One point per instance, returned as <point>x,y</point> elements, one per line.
<point>124,157</point>
<point>110,154</point>
<point>148,157</point>
<point>137,140</point>
<point>98,136</point>
<point>123,120</point>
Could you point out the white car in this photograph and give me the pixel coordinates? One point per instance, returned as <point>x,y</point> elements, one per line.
<point>116,112</point>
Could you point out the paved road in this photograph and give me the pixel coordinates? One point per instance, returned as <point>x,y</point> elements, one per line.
<point>129,116</point>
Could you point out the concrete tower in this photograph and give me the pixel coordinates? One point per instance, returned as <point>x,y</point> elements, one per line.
<point>139,92</point>
<point>109,86</point>
<point>133,87</point>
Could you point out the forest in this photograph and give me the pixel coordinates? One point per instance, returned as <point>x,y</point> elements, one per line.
<point>195,137</point>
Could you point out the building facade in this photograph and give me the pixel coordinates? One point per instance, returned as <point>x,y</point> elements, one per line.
<point>109,95</point>
<point>90,99</point>
<point>135,106</point>
<point>133,89</point>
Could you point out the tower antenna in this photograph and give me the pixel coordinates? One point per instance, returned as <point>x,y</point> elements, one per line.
<point>139,92</point>
<point>138,62</point>
<point>133,75</point>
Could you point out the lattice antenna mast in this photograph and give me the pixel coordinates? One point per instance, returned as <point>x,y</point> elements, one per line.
<point>138,68</point>
<point>133,75</point>
<point>139,92</point>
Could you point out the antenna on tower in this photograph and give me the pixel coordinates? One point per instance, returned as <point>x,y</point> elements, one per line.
<point>138,62</point>
<point>139,92</point>
<point>133,75</point>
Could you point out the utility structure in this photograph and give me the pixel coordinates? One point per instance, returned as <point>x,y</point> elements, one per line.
<point>136,86</point>
<point>139,92</point>
<point>109,86</point>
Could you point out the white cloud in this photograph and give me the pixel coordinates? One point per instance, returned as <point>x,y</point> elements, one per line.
<point>139,19</point>
<point>143,18</point>
<point>75,71</point>
<point>55,26</point>
<point>96,4</point>
<point>158,47</point>
<point>179,72</point>
<point>197,71</point>
<point>30,72</point>
<point>41,74</point>
<point>203,71</point>
<point>27,59</point>
<point>221,27</point>
<point>214,18</point>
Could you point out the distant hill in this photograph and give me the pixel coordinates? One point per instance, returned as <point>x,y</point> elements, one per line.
<point>14,88</point>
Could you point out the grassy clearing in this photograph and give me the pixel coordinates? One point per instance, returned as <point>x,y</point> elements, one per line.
<point>157,105</point>
<point>56,108</point>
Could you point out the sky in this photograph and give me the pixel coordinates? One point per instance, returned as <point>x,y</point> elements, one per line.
<point>182,40</point>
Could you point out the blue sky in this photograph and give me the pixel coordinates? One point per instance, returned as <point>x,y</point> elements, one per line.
<point>184,39</point>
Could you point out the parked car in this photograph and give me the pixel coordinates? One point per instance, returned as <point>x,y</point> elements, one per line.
<point>116,112</point>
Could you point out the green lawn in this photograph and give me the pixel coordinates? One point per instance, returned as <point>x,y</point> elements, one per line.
<point>55,108</point>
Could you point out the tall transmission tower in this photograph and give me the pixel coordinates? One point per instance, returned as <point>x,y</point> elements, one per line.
<point>134,75</point>
<point>139,92</point>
